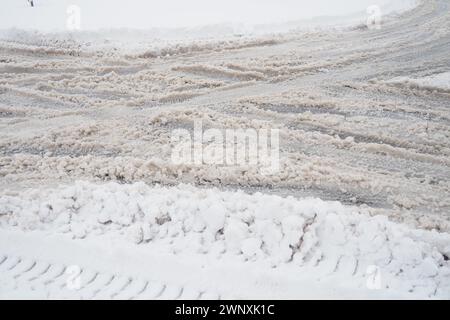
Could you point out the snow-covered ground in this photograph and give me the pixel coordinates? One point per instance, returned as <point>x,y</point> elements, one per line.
<point>91,205</point>
<point>337,248</point>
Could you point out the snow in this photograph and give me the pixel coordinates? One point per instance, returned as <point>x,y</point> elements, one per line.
<point>270,231</point>
<point>242,16</point>
<point>438,82</point>
<point>88,106</point>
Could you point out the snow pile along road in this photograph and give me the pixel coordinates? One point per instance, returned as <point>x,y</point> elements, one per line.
<point>323,239</point>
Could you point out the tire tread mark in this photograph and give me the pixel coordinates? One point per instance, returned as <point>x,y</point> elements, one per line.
<point>126,285</point>
<point>180,294</point>
<point>164,287</point>
<point>106,285</point>
<point>56,277</point>
<point>40,274</point>
<point>25,271</point>
<point>19,260</point>
<point>90,281</point>
<point>141,291</point>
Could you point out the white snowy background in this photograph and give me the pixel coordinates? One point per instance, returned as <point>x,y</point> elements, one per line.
<point>50,15</point>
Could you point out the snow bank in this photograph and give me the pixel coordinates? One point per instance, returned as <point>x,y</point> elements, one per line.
<point>309,234</point>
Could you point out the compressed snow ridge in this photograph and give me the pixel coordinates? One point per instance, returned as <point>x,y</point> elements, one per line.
<point>324,238</point>
<point>436,82</point>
